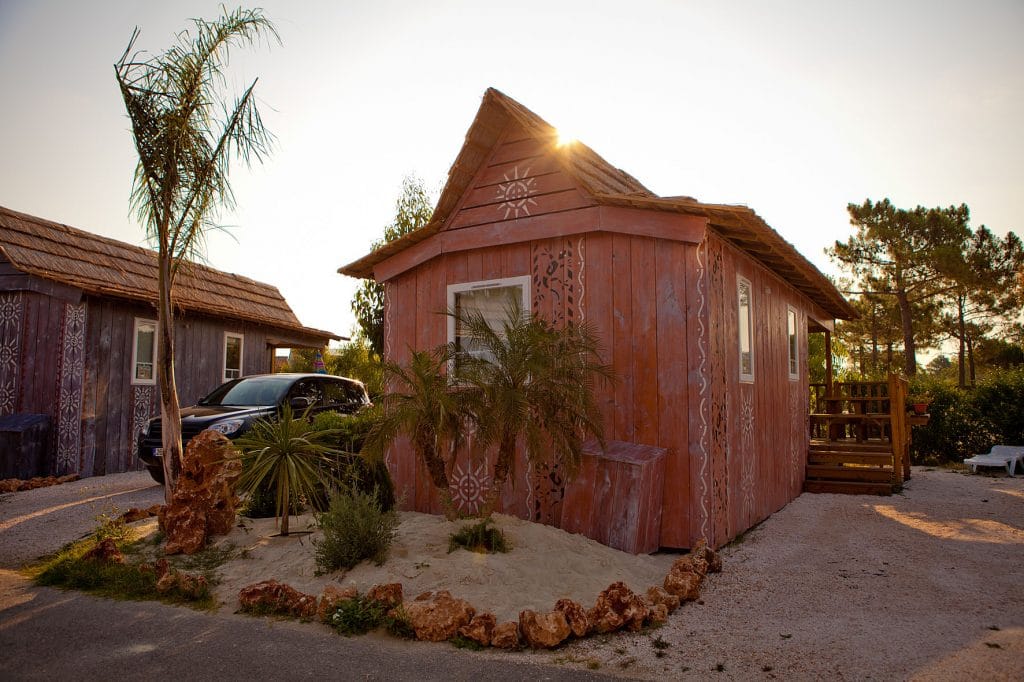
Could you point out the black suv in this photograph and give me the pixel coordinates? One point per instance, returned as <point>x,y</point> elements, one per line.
<point>233,407</point>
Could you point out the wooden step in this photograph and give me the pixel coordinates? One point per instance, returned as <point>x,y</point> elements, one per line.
<point>841,457</point>
<point>834,472</point>
<point>851,445</point>
<point>847,488</point>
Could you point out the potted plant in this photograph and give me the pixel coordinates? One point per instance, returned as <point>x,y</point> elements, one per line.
<point>920,403</point>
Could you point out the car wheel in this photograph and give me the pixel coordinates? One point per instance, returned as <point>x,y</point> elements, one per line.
<point>157,473</point>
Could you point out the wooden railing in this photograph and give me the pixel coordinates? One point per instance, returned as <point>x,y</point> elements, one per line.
<point>859,414</point>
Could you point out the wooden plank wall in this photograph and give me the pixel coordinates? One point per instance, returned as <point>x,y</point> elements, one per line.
<point>759,429</point>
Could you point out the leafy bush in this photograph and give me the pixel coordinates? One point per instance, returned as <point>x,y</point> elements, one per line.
<point>359,615</point>
<point>261,504</point>
<point>478,537</point>
<point>355,528</point>
<point>967,422</point>
<point>349,468</point>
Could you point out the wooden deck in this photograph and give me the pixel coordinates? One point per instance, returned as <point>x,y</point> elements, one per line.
<point>860,439</point>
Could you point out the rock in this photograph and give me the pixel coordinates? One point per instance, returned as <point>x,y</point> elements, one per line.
<point>161,567</point>
<point>683,584</point>
<point>480,629</point>
<point>135,514</point>
<point>389,595</point>
<point>543,630</point>
<point>505,635</point>
<point>423,596</point>
<point>657,595</point>
<point>658,614</point>
<point>13,485</point>
<point>439,619</point>
<point>273,597</point>
<point>617,607</point>
<point>166,582</point>
<point>691,563</point>
<point>188,585</point>
<point>330,598</point>
<point>204,498</point>
<point>105,551</point>
<point>713,558</point>
<point>575,615</point>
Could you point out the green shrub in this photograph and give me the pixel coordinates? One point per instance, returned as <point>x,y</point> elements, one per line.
<point>478,537</point>
<point>348,467</point>
<point>359,615</point>
<point>260,504</point>
<point>355,528</point>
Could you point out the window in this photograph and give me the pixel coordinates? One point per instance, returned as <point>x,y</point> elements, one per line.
<point>232,356</point>
<point>746,330</point>
<point>794,359</point>
<point>144,352</point>
<point>491,299</point>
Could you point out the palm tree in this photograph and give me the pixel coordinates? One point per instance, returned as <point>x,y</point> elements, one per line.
<point>421,404</point>
<point>185,143</point>
<point>290,456</point>
<point>532,382</point>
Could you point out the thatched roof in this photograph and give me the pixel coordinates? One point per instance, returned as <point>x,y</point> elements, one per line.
<point>610,186</point>
<point>106,267</point>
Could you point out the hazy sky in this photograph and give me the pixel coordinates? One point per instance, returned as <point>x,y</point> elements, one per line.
<point>792,108</point>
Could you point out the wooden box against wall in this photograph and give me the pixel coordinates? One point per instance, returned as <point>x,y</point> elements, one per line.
<point>616,498</point>
<point>24,439</point>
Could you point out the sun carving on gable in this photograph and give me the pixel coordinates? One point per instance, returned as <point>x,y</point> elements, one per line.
<point>515,192</point>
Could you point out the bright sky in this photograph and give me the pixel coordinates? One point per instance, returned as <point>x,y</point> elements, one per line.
<point>792,108</point>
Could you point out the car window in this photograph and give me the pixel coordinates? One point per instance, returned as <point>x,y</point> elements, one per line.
<point>248,391</point>
<point>309,389</point>
<point>344,396</point>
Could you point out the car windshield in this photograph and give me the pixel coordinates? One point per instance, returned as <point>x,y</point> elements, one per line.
<point>249,391</point>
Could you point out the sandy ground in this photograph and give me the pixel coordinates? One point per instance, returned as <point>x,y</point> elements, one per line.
<point>922,585</point>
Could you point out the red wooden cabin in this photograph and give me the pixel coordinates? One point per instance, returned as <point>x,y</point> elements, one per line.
<point>704,311</point>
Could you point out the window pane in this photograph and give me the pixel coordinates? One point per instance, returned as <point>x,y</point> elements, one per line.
<point>793,363</point>
<point>493,303</point>
<point>232,357</point>
<point>145,343</point>
<point>746,341</point>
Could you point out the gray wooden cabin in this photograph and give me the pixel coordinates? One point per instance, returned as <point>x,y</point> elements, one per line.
<point>77,344</point>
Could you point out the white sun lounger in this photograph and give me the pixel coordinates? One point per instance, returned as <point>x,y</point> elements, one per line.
<point>1000,456</point>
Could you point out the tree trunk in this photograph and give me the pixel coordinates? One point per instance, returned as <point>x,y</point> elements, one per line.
<point>874,340</point>
<point>170,409</point>
<point>962,337</point>
<point>286,510</point>
<point>970,355</point>
<point>907,327</point>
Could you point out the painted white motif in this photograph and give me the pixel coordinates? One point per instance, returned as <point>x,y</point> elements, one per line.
<point>69,405</point>
<point>10,351</point>
<point>515,193</point>
<point>581,253</point>
<point>747,455</point>
<point>142,411</point>
<point>469,487</point>
<point>702,367</point>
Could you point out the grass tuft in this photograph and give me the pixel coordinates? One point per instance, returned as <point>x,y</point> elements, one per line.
<point>478,537</point>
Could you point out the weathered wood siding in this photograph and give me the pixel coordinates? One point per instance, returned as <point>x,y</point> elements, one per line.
<point>758,430</point>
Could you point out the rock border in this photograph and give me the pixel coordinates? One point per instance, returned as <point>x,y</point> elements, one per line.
<point>439,617</point>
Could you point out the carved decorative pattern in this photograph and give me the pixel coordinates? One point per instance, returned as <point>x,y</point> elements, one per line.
<point>719,447</point>
<point>547,485</point>
<point>515,193</point>
<point>747,454</point>
<point>555,287</point>
<point>69,404</point>
<point>702,366</point>
<point>581,258</point>
<point>10,351</point>
<point>798,437</point>
<point>388,355</point>
<point>469,487</point>
<point>142,411</point>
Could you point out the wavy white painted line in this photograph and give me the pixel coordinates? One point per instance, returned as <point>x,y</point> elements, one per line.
<point>701,368</point>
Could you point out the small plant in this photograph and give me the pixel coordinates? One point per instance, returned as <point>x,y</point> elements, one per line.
<point>479,537</point>
<point>397,623</point>
<point>355,528</point>
<point>112,526</point>
<point>659,643</point>
<point>460,642</point>
<point>357,616</point>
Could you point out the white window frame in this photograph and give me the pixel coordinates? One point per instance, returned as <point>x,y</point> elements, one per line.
<point>136,381</point>
<point>453,289</point>
<point>793,342</point>
<point>241,355</point>
<point>745,377</point>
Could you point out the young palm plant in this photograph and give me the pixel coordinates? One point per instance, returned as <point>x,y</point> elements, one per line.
<point>422,405</point>
<point>289,456</point>
<point>530,382</point>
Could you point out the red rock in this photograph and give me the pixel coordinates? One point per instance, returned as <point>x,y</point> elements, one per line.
<point>683,584</point>
<point>543,630</point>
<point>330,598</point>
<point>480,629</point>
<point>713,558</point>
<point>617,607</point>
<point>10,485</point>
<point>575,615</point>
<point>105,551</point>
<point>161,567</point>
<point>691,563</point>
<point>439,619</point>
<point>273,597</point>
<point>505,635</point>
<point>135,514</point>
<point>167,582</point>
<point>423,596</point>
<point>658,614</point>
<point>657,595</point>
<point>388,595</point>
<point>204,498</point>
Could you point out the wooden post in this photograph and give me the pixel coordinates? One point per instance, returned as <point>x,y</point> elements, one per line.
<point>897,428</point>
<point>828,364</point>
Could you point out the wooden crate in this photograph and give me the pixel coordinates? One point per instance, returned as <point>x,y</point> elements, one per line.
<point>617,497</point>
<point>23,445</point>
